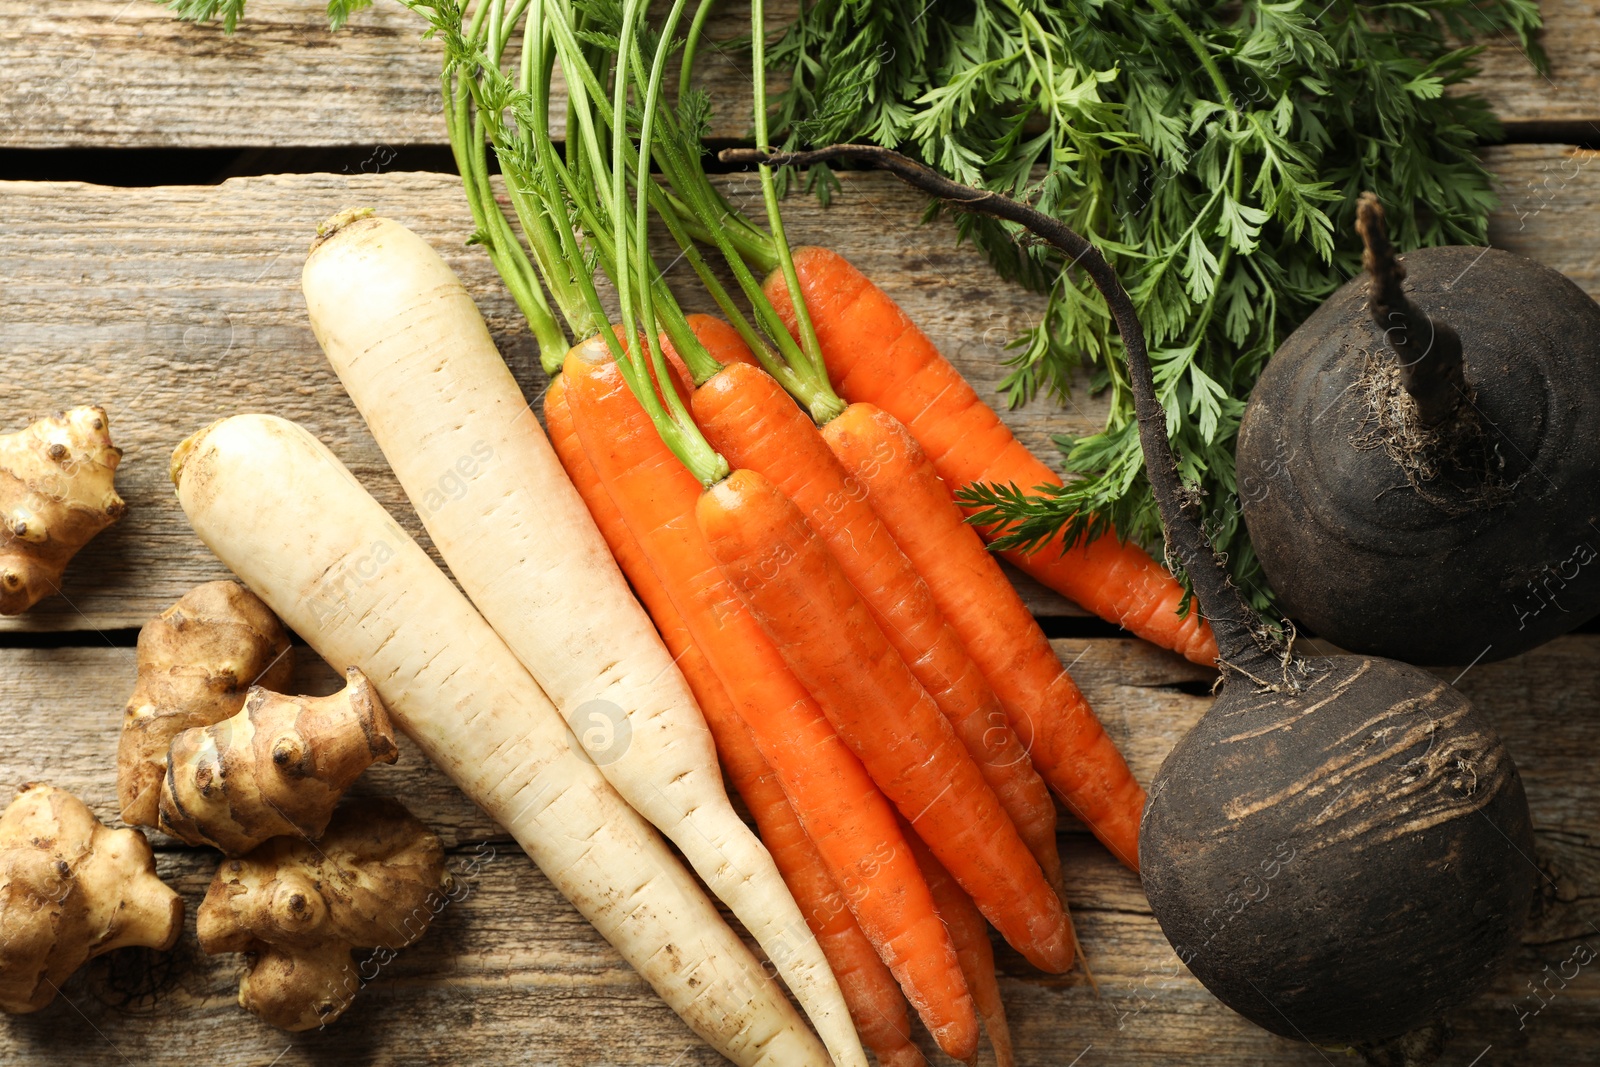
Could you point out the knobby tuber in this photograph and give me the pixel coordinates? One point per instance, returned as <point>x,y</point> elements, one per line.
<point>279,766</point>
<point>375,881</point>
<point>1338,850</point>
<point>72,888</point>
<point>1419,465</point>
<point>197,660</point>
<point>57,490</point>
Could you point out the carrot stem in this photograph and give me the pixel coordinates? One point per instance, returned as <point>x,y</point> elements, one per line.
<point>493,231</point>
<point>672,419</point>
<point>769,194</point>
<point>801,373</point>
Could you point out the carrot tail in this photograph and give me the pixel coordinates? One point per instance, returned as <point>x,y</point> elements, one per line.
<point>901,486</point>
<point>971,936</point>
<point>1116,580</point>
<point>815,617</point>
<point>876,1004</point>
<point>850,823</point>
<point>877,355</point>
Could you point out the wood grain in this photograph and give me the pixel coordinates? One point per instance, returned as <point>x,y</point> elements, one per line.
<point>1550,208</point>
<point>125,73</point>
<point>513,974</point>
<point>175,306</point>
<point>1569,95</point>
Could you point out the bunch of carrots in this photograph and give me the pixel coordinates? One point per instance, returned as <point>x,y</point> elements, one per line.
<point>777,486</point>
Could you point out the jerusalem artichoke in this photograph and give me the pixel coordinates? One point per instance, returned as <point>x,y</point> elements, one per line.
<point>57,490</point>
<point>375,880</point>
<point>197,660</point>
<point>279,766</point>
<point>71,889</point>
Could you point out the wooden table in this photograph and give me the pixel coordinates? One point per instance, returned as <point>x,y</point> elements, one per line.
<point>174,304</point>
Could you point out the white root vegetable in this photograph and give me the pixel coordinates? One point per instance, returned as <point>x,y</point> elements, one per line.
<point>414,354</point>
<point>281,511</point>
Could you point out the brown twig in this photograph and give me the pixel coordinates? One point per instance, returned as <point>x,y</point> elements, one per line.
<point>1428,351</point>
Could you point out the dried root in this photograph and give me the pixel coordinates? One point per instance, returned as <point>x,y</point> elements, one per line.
<point>375,880</point>
<point>57,490</point>
<point>279,766</point>
<point>1452,464</point>
<point>197,660</point>
<point>71,889</point>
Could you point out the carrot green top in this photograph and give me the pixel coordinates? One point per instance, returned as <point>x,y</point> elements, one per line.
<point>587,206</point>
<point>573,207</point>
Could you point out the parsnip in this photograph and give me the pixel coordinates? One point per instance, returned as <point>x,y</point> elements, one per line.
<point>415,356</point>
<point>278,508</point>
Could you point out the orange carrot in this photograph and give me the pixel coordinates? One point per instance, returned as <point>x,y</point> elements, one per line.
<point>563,434</point>
<point>1043,705</point>
<point>843,812</point>
<point>877,1006</point>
<point>748,418</point>
<point>971,935</point>
<point>869,443</point>
<point>875,354</point>
<point>806,604</point>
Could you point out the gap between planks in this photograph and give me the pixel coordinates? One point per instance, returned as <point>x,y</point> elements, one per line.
<point>101,73</point>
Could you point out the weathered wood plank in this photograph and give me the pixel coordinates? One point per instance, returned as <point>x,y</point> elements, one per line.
<point>1550,208</point>
<point>124,73</point>
<point>1569,94</point>
<point>513,974</point>
<point>174,306</point>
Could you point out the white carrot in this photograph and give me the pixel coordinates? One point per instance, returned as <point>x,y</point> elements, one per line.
<point>278,508</point>
<point>414,354</point>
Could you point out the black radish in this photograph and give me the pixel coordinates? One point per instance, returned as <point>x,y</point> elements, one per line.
<point>1419,465</point>
<point>1340,849</point>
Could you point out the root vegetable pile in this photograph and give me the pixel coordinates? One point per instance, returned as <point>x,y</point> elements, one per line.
<point>754,545</point>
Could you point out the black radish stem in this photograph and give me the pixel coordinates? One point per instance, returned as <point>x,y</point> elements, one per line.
<point>1428,350</point>
<point>1340,849</point>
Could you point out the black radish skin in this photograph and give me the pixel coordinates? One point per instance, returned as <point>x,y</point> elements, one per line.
<point>1455,523</point>
<point>1340,850</point>
<point>1345,862</point>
